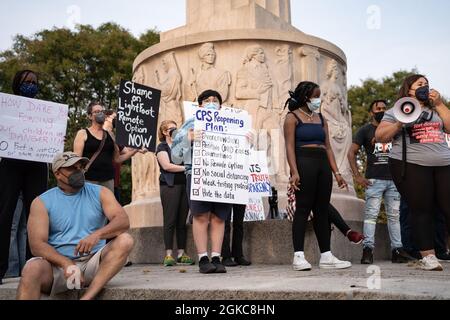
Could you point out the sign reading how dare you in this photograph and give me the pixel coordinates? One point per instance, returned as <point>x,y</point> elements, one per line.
<point>137,116</point>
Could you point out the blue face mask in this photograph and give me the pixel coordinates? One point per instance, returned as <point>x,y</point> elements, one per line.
<point>212,106</point>
<point>423,94</point>
<point>29,90</point>
<point>315,104</point>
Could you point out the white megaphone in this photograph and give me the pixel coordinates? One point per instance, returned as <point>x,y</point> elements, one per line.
<point>407,110</point>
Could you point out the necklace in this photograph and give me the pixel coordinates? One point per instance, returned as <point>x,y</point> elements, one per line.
<point>310,116</point>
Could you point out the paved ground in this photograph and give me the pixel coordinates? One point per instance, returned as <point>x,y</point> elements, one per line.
<point>150,282</point>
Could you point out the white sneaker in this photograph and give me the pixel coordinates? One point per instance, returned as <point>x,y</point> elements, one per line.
<point>334,263</point>
<point>300,264</point>
<point>430,263</point>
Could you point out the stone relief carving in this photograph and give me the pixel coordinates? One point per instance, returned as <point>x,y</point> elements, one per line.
<point>336,112</point>
<point>170,86</point>
<point>309,65</point>
<point>208,76</point>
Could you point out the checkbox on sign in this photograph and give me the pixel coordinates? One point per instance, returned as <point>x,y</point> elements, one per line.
<point>196,181</point>
<point>196,172</point>
<point>196,192</point>
<point>197,153</point>
<point>198,162</point>
<point>198,144</point>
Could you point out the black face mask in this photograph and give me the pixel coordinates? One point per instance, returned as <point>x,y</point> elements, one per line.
<point>423,94</point>
<point>76,179</point>
<point>378,116</point>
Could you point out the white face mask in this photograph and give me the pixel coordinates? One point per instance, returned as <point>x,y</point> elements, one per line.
<point>315,104</point>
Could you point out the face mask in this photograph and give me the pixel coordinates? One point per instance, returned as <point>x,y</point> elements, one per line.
<point>212,106</point>
<point>315,104</point>
<point>28,90</point>
<point>76,179</point>
<point>423,94</point>
<point>100,118</point>
<point>378,116</point>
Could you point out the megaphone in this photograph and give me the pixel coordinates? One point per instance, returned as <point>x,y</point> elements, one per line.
<point>407,110</point>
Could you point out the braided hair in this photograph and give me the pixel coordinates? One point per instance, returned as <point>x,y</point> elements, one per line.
<point>301,95</point>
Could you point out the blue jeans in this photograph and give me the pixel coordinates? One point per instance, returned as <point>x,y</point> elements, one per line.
<point>374,195</point>
<point>17,248</point>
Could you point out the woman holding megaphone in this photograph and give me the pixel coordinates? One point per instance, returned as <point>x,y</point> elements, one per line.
<point>420,161</point>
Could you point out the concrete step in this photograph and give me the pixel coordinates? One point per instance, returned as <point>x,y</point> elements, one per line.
<point>270,282</point>
<point>267,242</point>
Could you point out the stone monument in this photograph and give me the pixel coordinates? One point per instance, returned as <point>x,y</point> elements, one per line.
<point>249,52</point>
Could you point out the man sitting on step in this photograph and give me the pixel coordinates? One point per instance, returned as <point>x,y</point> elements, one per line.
<point>67,232</point>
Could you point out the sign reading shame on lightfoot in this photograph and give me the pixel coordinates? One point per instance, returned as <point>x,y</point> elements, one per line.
<point>31,129</point>
<point>221,157</point>
<point>137,116</point>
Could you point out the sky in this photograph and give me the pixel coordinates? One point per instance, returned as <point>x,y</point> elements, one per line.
<point>379,37</point>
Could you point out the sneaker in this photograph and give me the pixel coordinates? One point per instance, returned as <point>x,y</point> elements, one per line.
<point>169,261</point>
<point>220,268</point>
<point>399,255</point>
<point>228,262</point>
<point>206,266</point>
<point>430,263</point>
<point>242,262</point>
<point>300,264</point>
<point>355,237</point>
<point>185,260</point>
<point>443,257</point>
<point>367,257</point>
<point>334,263</point>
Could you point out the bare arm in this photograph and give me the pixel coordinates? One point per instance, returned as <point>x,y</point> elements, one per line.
<point>118,223</point>
<point>352,158</point>
<point>164,162</point>
<point>289,135</point>
<point>441,109</point>
<point>121,157</point>
<point>38,225</point>
<point>386,131</point>
<point>78,144</point>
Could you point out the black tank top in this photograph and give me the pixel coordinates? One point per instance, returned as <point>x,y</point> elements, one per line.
<point>102,169</point>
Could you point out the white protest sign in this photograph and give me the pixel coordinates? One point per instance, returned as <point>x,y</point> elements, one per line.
<point>220,160</point>
<point>255,209</point>
<point>31,129</point>
<point>189,109</point>
<point>259,178</point>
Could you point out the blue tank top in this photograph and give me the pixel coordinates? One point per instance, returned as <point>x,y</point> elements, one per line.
<point>309,133</point>
<point>73,218</point>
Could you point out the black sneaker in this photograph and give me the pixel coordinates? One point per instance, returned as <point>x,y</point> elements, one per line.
<point>1,281</point>
<point>228,262</point>
<point>399,255</point>
<point>367,257</point>
<point>220,268</point>
<point>242,262</point>
<point>206,266</point>
<point>445,257</point>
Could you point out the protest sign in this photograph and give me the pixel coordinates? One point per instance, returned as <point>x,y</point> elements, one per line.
<point>31,129</point>
<point>221,158</point>
<point>259,178</point>
<point>255,209</point>
<point>137,116</point>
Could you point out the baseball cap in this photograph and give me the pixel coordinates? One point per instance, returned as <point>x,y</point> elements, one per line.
<point>67,159</point>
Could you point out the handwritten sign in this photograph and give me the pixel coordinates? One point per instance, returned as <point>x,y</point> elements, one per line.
<point>255,209</point>
<point>259,178</point>
<point>189,109</point>
<point>221,157</point>
<point>31,129</point>
<point>137,116</point>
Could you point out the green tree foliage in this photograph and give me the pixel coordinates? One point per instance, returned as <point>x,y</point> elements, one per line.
<point>76,67</point>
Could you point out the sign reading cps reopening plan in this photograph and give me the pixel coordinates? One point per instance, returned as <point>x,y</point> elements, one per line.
<point>137,116</point>
<point>31,129</point>
<point>221,156</point>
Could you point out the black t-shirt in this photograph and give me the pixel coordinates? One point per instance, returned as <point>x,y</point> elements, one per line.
<point>377,153</point>
<point>178,178</point>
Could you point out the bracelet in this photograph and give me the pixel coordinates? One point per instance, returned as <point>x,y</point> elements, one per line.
<point>337,174</point>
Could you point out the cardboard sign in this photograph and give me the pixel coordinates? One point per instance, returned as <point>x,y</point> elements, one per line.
<point>31,129</point>
<point>137,116</point>
<point>221,157</point>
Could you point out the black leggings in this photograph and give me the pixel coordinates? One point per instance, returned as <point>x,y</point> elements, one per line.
<point>314,195</point>
<point>175,211</point>
<point>17,176</point>
<point>336,219</point>
<point>423,188</point>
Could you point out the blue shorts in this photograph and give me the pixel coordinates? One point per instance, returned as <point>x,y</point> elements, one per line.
<point>220,210</point>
